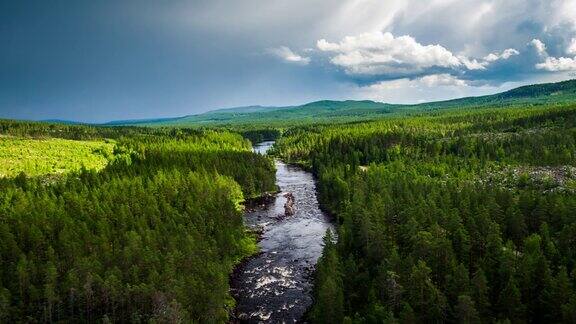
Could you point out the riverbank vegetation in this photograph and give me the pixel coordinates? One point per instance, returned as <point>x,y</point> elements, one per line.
<point>461,216</point>
<point>152,236</point>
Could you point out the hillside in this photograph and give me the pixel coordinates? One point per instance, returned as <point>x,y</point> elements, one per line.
<point>353,110</point>
<point>210,116</point>
<point>558,92</point>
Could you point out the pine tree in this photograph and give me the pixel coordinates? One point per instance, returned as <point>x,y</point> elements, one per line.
<point>510,302</point>
<point>428,302</point>
<point>481,293</point>
<point>466,311</point>
<point>329,303</point>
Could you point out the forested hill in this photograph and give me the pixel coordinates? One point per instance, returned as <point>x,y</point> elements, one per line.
<point>334,111</point>
<point>559,92</point>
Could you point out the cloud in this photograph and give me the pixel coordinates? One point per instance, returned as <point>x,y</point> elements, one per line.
<point>572,47</point>
<point>444,79</point>
<point>288,55</point>
<point>560,64</point>
<point>472,64</point>
<point>539,46</point>
<point>555,64</point>
<point>382,53</point>
<point>506,54</point>
<point>475,64</point>
<point>428,81</point>
<point>478,40</point>
<point>428,88</point>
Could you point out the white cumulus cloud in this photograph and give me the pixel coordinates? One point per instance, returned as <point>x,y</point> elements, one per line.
<point>286,54</point>
<point>555,64</point>
<point>382,53</point>
<point>476,64</point>
<point>506,54</point>
<point>429,81</point>
<point>443,79</point>
<point>472,64</point>
<point>558,64</point>
<point>539,46</point>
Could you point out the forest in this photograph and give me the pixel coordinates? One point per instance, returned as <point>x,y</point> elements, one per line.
<point>464,216</point>
<point>461,215</point>
<point>150,237</point>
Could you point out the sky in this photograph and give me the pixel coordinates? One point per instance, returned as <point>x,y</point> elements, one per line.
<point>104,60</point>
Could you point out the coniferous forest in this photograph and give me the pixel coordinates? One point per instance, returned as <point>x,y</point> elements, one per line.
<point>463,215</point>
<point>152,237</point>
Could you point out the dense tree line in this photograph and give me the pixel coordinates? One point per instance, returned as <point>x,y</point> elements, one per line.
<point>151,238</point>
<point>254,132</point>
<point>257,135</point>
<point>68,131</point>
<point>423,236</point>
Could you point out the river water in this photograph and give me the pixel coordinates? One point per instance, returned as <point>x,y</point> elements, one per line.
<point>275,286</point>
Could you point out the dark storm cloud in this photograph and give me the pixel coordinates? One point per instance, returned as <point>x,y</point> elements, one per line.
<point>105,59</point>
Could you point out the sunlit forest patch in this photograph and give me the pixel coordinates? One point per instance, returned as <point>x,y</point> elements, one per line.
<point>36,157</point>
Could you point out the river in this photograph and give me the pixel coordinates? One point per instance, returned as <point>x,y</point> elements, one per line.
<point>276,285</point>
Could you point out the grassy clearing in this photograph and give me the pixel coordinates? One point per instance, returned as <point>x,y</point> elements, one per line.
<point>37,157</point>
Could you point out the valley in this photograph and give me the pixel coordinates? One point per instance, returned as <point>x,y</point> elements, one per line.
<point>459,211</point>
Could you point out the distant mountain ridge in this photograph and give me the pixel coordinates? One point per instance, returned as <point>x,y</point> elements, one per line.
<point>248,109</point>
<point>530,94</point>
<point>142,121</point>
<point>229,112</point>
<point>62,121</point>
<point>559,92</point>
